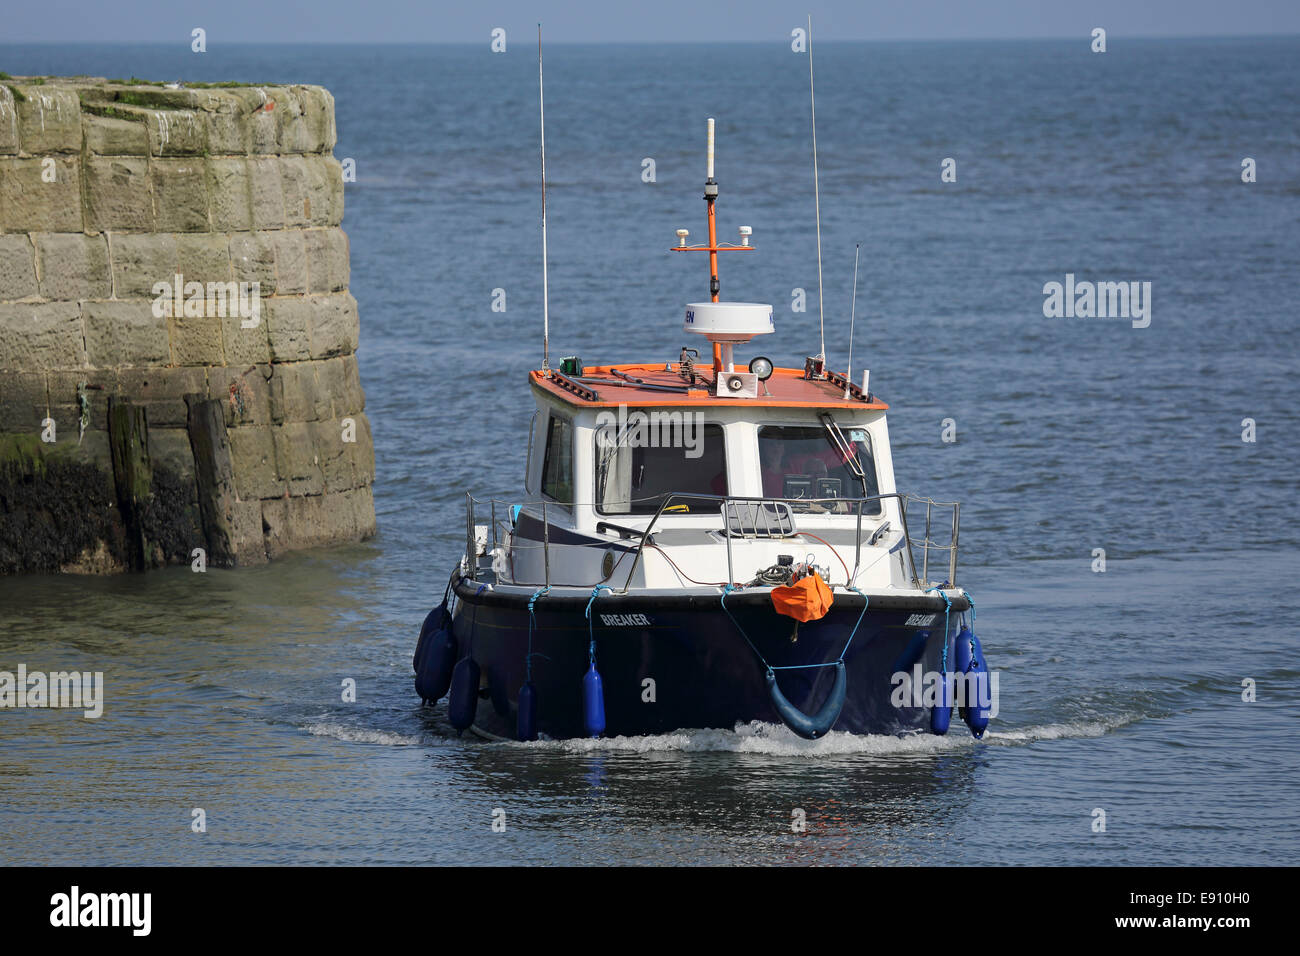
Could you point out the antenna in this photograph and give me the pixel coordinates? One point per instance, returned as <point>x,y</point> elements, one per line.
<point>853,311</point>
<point>713,248</point>
<point>546,297</point>
<point>710,196</point>
<point>812,96</point>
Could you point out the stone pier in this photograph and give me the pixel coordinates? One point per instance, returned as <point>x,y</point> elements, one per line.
<point>177,341</point>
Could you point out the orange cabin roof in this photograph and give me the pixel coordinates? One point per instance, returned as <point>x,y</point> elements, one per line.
<point>788,388</point>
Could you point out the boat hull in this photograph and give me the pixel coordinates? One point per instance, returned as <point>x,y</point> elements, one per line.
<point>674,661</point>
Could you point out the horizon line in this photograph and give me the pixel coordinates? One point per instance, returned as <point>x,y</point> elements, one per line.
<point>839,41</point>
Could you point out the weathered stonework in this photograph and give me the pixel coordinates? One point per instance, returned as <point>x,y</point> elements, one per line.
<point>106,190</point>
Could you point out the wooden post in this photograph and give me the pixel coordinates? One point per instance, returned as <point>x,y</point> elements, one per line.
<point>128,439</point>
<point>214,474</point>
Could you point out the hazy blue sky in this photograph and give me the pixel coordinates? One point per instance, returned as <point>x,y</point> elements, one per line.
<point>281,21</point>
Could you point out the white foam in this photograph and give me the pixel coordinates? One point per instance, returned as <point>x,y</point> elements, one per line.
<point>361,735</point>
<point>779,741</point>
<point>1071,729</point>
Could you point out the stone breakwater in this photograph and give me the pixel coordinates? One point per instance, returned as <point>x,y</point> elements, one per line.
<point>178,373</point>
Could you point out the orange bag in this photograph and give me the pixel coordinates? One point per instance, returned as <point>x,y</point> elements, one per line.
<point>808,599</point>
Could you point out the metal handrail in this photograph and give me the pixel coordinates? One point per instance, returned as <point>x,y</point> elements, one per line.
<point>726,504</point>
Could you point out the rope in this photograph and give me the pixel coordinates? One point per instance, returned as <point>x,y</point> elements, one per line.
<point>971,601</point>
<point>947,608</point>
<point>532,620</point>
<point>794,667</point>
<point>591,648</point>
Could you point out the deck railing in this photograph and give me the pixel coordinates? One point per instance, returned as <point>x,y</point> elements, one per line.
<point>746,518</point>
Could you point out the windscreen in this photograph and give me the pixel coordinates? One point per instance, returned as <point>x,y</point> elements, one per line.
<point>649,456</point>
<point>807,462</point>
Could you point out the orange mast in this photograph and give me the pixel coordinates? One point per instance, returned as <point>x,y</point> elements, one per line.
<point>710,197</point>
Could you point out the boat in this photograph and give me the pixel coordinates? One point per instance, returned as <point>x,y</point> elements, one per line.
<point>699,545</point>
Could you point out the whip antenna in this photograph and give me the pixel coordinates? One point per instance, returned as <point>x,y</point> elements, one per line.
<point>853,311</point>
<point>812,96</point>
<point>546,298</point>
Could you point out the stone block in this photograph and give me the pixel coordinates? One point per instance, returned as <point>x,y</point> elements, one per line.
<point>245,346</point>
<point>118,194</point>
<point>335,328</point>
<point>196,340</point>
<point>297,460</point>
<point>288,325</point>
<point>244,391</point>
<point>113,136</point>
<point>252,259</point>
<point>9,142</point>
<point>327,259</point>
<point>73,266</point>
<point>252,453</point>
<point>180,190</point>
<point>229,192</point>
<point>39,336</point>
<point>142,261</point>
<point>17,267</point>
<point>49,120</point>
<point>204,257</point>
<point>174,132</point>
<point>267,192</point>
<point>40,194</point>
<point>125,332</point>
<point>290,247</point>
<point>23,400</point>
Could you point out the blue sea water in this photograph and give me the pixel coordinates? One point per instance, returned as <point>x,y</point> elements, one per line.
<point>1119,690</point>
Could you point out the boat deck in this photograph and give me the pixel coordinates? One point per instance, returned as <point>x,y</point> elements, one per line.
<point>653,384</point>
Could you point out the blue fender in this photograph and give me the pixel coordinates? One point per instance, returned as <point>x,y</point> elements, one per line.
<point>810,728</point>
<point>526,716</point>
<point>593,702</point>
<point>971,664</point>
<point>463,703</point>
<point>941,712</point>
<point>435,621</point>
<point>433,678</point>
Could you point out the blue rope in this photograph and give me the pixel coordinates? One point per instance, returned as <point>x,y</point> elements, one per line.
<point>947,608</point>
<point>591,648</point>
<point>727,589</point>
<point>971,601</point>
<point>532,620</point>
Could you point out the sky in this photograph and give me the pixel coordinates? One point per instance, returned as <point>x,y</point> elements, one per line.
<point>658,21</point>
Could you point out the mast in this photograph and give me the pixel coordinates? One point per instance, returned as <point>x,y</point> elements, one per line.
<point>546,297</point>
<point>853,312</point>
<point>710,197</point>
<point>817,194</point>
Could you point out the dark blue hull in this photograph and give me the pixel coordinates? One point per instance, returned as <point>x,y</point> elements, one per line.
<point>679,661</point>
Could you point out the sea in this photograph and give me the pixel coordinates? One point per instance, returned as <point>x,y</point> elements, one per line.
<point>1129,486</point>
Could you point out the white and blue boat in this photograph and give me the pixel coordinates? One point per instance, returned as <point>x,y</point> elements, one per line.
<point>701,546</point>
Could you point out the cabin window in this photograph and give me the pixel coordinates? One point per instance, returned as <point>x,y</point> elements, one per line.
<point>805,461</point>
<point>647,456</point>
<point>557,466</point>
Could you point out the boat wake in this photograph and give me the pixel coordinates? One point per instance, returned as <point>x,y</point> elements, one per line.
<point>778,741</point>
<point>362,735</point>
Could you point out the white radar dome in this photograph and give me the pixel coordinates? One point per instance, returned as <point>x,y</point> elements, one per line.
<point>729,323</point>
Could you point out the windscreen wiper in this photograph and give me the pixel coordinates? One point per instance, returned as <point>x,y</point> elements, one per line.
<point>841,444</point>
